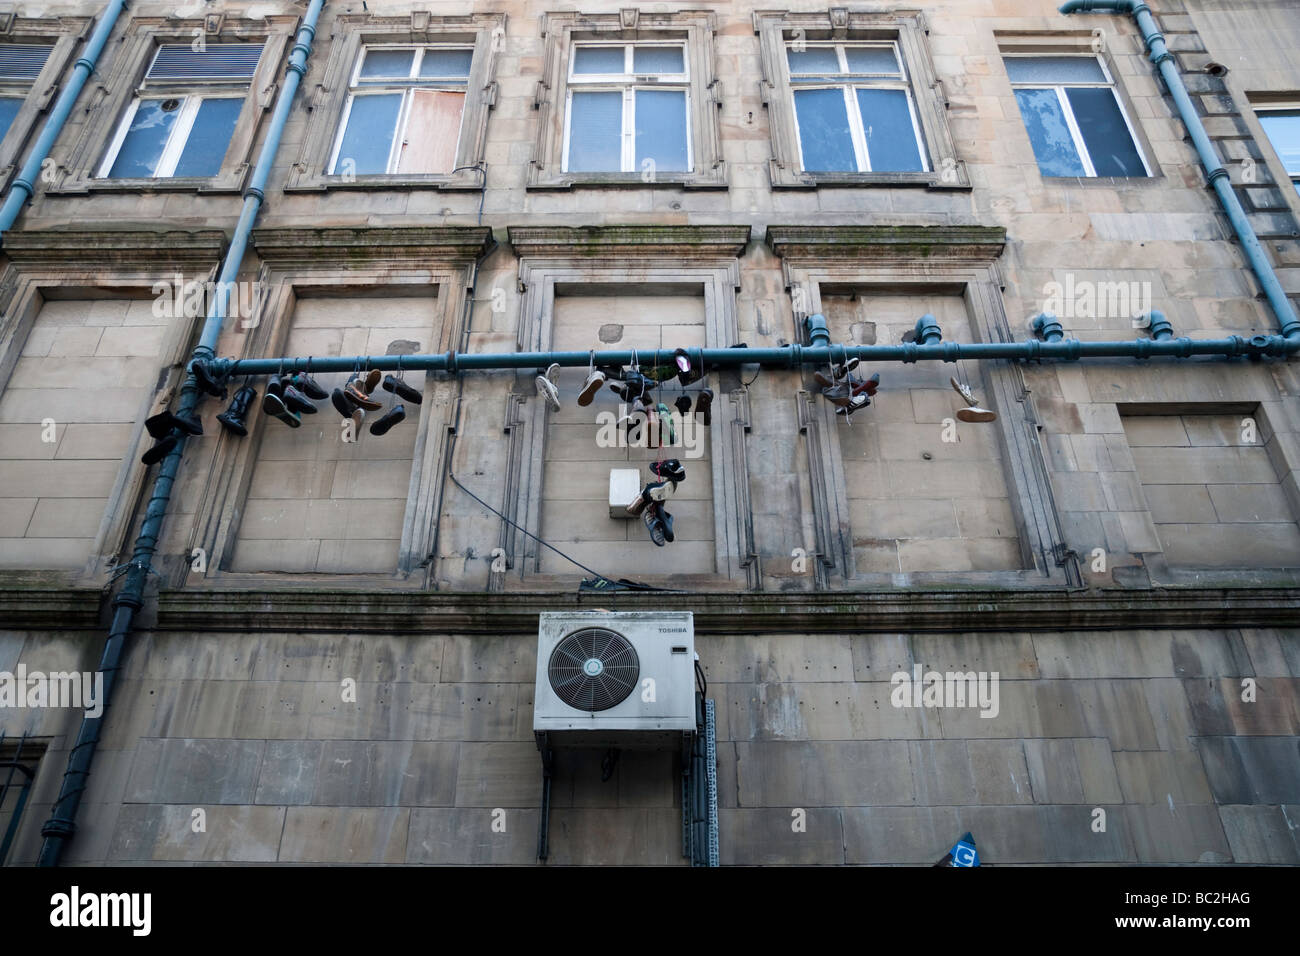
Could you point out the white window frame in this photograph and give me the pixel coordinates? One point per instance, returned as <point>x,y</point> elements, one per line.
<point>414,82</point>
<point>628,83</point>
<point>176,139</point>
<point>1090,171</point>
<point>851,83</point>
<point>1260,112</point>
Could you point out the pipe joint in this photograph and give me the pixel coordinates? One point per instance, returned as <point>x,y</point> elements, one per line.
<point>453,361</point>
<point>1159,327</point>
<point>1047,327</point>
<point>818,333</point>
<point>58,828</point>
<point>928,331</point>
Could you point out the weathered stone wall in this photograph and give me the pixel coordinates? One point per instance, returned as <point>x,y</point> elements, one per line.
<point>1148,726</point>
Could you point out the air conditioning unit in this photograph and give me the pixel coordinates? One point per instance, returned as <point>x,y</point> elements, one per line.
<point>607,679</point>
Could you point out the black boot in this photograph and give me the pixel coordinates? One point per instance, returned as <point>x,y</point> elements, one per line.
<point>214,387</point>
<point>402,390</point>
<point>396,414</point>
<point>159,451</point>
<point>704,407</point>
<point>683,404</point>
<point>162,424</point>
<point>235,418</point>
<point>343,403</point>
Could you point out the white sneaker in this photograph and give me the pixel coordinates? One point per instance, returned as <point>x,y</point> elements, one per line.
<point>964,391</point>
<point>546,388</point>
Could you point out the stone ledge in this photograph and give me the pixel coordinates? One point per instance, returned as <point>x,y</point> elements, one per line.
<point>681,242</point>
<point>332,247</point>
<point>873,243</point>
<point>106,248</point>
<point>852,612</point>
<point>38,605</point>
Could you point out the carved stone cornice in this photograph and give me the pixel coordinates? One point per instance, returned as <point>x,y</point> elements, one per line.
<point>696,243</point>
<point>189,251</point>
<point>341,247</point>
<point>730,612</point>
<point>910,243</point>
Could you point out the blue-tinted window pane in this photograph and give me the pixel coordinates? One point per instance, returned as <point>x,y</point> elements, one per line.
<point>871,59</point>
<point>1105,133</point>
<point>9,108</point>
<point>145,140</point>
<point>369,136</point>
<point>657,59</point>
<point>446,63</point>
<point>598,59</point>
<point>596,133</point>
<point>824,135</point>
<point>815,60</point>
<point>1054,69</point>
<point>891,139</point>
<point>210,137</point>
<point>387,63</point>
<point>1045,122</point>
<point>661,129</point>
<point>1283,130</point>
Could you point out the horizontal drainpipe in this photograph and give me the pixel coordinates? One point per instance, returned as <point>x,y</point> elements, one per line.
<point>24,186</point>
<point>790,356</point>
<point>58,829</point>
<point>1214,171</point>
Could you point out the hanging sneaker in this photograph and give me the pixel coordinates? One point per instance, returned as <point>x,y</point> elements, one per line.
<point>403,391</point>
<point>358,417</point>
<point>666,419</point>
<point>838,395</point>
<point>343,403</point>
<point>704,407</point>
<point>381,426</point>
<point>654,525</point>
<point>665,521</point>
<point>855,403</point>
<point>275,406</point>
<point>654,491</point>
<point>842,370</point>
<point>821,379</point>
<point>546,387</point>
<point>964,391</point>
<point>359,395</point>
<point>976,414</point>
<point>296,401</point>
<point>869,387</point>
<point>683,405</point>
<point>308,386</point>
<point>669,470</point>
<point>595,379</point>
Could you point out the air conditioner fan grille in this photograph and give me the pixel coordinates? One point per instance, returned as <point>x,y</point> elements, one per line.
<point>594,669</point>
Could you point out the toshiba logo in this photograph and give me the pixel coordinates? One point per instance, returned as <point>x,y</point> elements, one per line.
<point>672,630</point>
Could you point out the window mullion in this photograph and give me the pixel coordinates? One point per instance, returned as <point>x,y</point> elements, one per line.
<point>399,132</point>
<point>180,134</point>
<point>629,129</point>
<point>1068,112</point>
<point>857,129</point>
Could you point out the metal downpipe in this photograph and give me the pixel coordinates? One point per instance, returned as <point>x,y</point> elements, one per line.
<point>24,187</point>
<point>1217,175</point>
<point>58,829</point>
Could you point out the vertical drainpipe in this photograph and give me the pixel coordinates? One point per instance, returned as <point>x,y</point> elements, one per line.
<point>23,187</point>
<point>1218,176</point>
<point>59,828</point>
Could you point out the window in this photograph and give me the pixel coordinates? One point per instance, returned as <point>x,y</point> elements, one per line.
<point>404,109</point>
<point>853,108</point>
<point>853,100</point>
<point>628,109</point>
<point>628,99</point>
<point>20,65</point>
<point>1283,130</point>
<point>181,122</point>
<point>1074,117</point>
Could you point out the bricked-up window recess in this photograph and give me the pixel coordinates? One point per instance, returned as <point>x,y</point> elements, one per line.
<point>183,117</point>
<point>19,759</point>
<point>1282,127</point>
<point>1074,117</point>
<point>20,65</point>
<point>403,112</point>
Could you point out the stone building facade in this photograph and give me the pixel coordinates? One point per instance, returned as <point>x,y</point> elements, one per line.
<point>1120,546</point>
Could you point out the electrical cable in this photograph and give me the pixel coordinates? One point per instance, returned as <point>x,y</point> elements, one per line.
<point>700,679</point>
